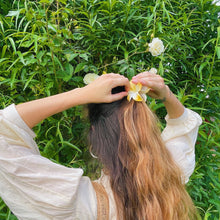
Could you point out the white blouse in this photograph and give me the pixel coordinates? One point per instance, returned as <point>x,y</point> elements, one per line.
<point>35,188</point>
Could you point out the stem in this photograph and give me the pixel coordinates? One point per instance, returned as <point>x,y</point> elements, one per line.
<point>155,17</point>
<point>54,68</point>
<point>58,17</point>
<point>210,75</point>
<point>135,53</point>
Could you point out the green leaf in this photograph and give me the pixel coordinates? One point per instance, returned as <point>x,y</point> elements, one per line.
<point>12,44</point>
<point>67,73</point>
<point>161,70</point>
<point>131,72</point>
<point>4,50</point>
<point>84,56</point>
<point>218,30</point>
<point>30,59</point>
<point>150,19</point>
<point>29,80</point>
<point>160,27</point>
<point>202,66</point>
<point>218,51</point>
<point>123,68</point>
<point>2,26</point>
<point>21,57</point>
<point>27,43</point>
<point>69,68</point>
<point>56,60</point>
<point>63,1</point>
<point>79,67</point>
<point>3,59</point>
<point>71,145</point>
<point>126,54</point>
<point>46,1</point>
<point>40,54</point>
<point>52,27</point>
<point>35,44</point>
<point>26,26</point>
<point>13,75</point>
<point>121,62</point>
<point>77,36</point>
<point>71,56</point>
<point>13,64</point>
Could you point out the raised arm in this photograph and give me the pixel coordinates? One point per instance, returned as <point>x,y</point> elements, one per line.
<point>160,91</point>
<point>182,125</point>
<point>99,91</point>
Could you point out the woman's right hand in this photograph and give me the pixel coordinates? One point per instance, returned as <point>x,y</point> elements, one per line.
<point>99,91</point>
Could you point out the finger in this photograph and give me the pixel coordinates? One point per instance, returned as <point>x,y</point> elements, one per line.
<point>121,81</point>
<point>154,83</point>
<point>148,80</point>
<point>118,96</point>
<point>114,75</point>
<point>146,75</point>
<point>143,78</point>
<point>143,74</point>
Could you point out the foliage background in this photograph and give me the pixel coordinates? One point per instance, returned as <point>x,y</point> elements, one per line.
<point>47,46</point>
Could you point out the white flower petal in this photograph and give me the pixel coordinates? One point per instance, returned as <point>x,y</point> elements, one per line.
<point>143,96</point>
<point>153,70</point>
<point>145,89</point>
<point>134,95</point>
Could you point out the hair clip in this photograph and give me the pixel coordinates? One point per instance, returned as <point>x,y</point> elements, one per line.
<point>137,92</point>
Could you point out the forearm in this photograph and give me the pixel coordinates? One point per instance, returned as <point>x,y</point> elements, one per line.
<point>35,111</point>
<point>173,106</point>
<point>98,91</point>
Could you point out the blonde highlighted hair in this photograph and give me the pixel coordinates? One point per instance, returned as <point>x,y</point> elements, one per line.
<point>145,180</point>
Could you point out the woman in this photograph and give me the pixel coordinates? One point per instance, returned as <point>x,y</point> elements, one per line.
<point>140,176</point>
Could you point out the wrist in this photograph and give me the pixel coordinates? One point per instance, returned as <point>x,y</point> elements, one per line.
<point>79,96</point>
<point>167,95</point>
<point>86,95</point>
<point>173,105</point>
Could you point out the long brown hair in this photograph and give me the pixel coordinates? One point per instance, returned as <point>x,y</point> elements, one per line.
<point>145,180</point>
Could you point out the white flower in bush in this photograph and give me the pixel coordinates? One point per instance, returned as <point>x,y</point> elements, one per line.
<point>156,47</point>
<point>90,77</point>
<point>153,70</point>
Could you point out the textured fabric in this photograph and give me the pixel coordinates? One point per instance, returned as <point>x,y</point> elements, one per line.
<point>37,189</point>
<point>102,201</point>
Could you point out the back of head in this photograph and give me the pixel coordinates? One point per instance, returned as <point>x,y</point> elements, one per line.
<point>144,178</point>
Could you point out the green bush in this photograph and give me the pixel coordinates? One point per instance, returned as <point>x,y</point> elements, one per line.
<point>47,46</point>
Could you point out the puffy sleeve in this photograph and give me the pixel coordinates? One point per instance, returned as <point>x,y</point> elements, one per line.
<point>32,186</point>
<point>180,136</point>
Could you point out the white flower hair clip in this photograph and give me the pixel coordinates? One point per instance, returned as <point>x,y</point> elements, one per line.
<point>138,91</point>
